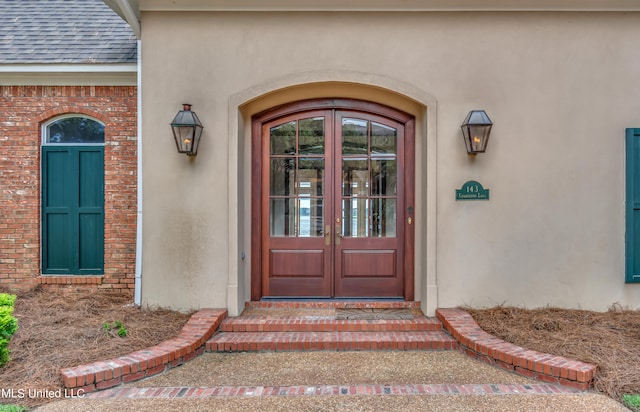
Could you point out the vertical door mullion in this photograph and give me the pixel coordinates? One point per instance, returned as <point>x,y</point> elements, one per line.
<point>265,206</point>
<point>337,190</point>
<point>331,177</point>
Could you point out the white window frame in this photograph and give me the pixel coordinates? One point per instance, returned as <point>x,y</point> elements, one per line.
<point>45,130</point>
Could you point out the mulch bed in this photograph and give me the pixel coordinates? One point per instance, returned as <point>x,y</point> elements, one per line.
<point>610,340</point>
<point>57,331</point>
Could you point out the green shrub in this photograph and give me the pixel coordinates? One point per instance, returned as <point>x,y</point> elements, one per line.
<point>7,300</point>
<point>8,325</point>
<point>115,329</point>
<point>632,402</point>
<point>13,408</point>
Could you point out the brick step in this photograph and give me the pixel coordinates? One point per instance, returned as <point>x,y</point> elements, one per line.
<point>298,341</point>
<point>332,303</point>
<point>326,324</point>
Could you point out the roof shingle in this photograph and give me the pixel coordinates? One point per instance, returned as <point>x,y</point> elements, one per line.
<point>63,31</point>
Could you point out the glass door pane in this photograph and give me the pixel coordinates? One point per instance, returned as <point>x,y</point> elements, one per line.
<point>310,197</point>
<point>296,178</point>
<point>369,179</point>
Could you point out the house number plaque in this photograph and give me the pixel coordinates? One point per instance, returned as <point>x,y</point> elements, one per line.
<point>472,190</point>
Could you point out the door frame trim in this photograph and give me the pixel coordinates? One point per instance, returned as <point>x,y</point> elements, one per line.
<point>256,174</point>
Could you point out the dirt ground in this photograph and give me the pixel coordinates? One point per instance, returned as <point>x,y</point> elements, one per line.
<point>610,340</point>
<point>57,331</point>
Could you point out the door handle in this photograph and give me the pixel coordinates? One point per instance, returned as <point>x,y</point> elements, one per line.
<point>327,235</point>
<point>338,234</point>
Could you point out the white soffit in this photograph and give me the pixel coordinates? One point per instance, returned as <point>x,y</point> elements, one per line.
<point>77,68</point>
<point>389,5</point>
<point>68,74</point>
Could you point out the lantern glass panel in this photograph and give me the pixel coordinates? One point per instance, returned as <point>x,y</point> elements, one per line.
<point>184,138</point>
<point>478,138</point>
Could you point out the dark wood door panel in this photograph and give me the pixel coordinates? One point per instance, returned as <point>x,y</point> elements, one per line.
<point>296,263</point>
<point>298,273</point>
<point>298,287</point>
<point>369,287</point>
<point>369,264</point>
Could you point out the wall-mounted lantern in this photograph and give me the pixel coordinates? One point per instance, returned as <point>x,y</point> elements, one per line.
<point>187,130</point>
<point>475,130</point>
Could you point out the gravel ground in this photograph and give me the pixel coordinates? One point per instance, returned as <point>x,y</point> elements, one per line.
<point>440,403</point>
<point>332,368</point>
<point>326,368</point>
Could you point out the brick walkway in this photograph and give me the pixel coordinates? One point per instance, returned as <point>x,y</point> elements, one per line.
<point>328,390</point>
<point>250,333</point>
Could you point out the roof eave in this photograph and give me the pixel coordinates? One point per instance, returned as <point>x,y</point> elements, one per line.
<point>129,11</point>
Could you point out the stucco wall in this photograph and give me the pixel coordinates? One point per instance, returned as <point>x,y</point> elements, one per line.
<point>560,87</point>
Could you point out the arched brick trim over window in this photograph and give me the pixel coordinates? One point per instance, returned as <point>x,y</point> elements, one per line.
<point>67,110</point>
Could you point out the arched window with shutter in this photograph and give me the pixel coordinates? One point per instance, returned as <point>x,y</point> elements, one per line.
<point>73,196</point>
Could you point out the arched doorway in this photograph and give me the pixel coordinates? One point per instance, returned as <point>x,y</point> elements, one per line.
<point>333,201</point>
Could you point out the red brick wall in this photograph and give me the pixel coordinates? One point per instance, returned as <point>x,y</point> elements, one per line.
<point>23,110</point>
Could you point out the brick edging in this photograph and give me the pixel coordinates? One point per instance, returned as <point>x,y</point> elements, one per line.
<point>483,346</point>
<point>331,304</point>
<point>144,363</point>
<point>203,392</point>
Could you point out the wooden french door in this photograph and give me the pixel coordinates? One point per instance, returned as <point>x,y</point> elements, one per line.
<point>333,185</point>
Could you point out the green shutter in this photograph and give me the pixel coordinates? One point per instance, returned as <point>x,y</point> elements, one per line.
<point>57,202</point>
<point>633,206</point>
<point>90,210</point>
<point>73,210</point>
